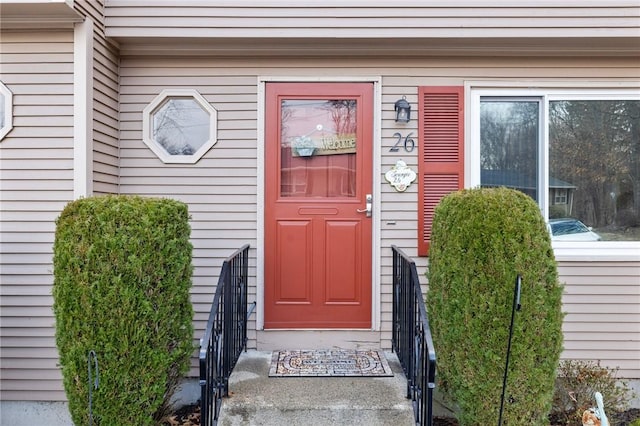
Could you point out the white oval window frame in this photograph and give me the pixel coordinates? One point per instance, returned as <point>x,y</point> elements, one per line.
<point>157,149</point>
<point>8,110</point>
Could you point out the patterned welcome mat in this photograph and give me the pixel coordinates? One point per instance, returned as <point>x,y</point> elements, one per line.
<point>329,363</point>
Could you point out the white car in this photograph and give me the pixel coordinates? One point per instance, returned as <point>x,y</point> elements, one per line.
<point>571,230</point>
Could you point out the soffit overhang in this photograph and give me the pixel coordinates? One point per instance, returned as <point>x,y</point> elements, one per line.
<point>387,47</point>
<point>38,14</point>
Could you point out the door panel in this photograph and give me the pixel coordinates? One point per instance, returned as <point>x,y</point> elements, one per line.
<point>294,237</point>
<point>342,254</point>
<point>317,173</point>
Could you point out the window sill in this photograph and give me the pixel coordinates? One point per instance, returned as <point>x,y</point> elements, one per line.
<point>599,251</point>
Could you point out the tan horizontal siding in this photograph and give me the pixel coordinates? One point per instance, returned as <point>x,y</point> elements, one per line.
<point>602,306</point>
<point>220,189</point>
<point>376,19</point>
<point>36,180</point>
<point>105,101</point>
<point>93,9</point>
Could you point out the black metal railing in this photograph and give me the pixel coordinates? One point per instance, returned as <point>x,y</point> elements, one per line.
<point>412,340</point>
<point>225,336</point>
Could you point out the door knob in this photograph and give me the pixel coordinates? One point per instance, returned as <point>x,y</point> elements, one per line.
<point>368,206</point>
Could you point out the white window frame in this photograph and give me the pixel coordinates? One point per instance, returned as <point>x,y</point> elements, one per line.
<point>147,124</point>
<point>8,110</point>
<point>547,92</point>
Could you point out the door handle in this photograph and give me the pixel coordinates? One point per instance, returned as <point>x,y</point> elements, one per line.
<point>368,207</point>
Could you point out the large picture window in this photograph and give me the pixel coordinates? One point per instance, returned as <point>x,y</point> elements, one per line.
<point>576,154</point>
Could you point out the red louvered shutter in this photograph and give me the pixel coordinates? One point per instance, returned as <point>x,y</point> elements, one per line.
<point>441,163</point>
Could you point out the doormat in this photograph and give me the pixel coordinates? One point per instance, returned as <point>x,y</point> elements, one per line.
<point>329,363</point>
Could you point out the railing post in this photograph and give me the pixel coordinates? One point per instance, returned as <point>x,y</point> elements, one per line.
<point>227,329</point>
<point>224,336</point>
<point>245,294</point>
<point>412,339</point>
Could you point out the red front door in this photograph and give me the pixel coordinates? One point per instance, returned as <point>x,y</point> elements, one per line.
<point>318,157</point>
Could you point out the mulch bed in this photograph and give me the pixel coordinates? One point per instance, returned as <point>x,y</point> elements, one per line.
<point>615,419</point>
<point>190,416</point>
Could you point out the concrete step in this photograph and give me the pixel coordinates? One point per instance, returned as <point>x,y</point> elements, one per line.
<point>257,399</point>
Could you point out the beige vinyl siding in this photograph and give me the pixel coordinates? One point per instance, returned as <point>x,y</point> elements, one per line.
<point>221,188</point>
<point>36,182</point>
<point>105,117</point>
<point>602,305</point>
<point>105,102</point>
<point>373,19</point>
<point>93,9</point>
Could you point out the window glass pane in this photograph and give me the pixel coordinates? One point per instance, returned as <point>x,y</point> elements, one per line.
<point>318,148</point>
<point>594,157</point>
<point>181,126</point>
<point>509,134</point>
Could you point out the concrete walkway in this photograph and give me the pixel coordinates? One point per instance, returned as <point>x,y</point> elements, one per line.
<point>257,399</point>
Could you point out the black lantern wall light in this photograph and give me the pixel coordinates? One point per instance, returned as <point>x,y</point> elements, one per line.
<point>403,110</point>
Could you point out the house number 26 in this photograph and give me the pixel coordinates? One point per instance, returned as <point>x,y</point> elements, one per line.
<point>407,141</point>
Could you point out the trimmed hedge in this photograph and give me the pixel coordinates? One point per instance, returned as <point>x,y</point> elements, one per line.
<point>122,276</point>
<point>481,240</point>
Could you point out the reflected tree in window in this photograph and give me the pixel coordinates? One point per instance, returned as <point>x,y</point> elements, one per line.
<point>509,144</point>
<point>595,145</point>
<point>180,126</point>
<point>343,114</point>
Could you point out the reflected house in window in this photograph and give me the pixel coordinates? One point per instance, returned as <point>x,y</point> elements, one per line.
<point>560,192</point>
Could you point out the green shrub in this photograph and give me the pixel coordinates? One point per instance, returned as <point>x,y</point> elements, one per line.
<point>576,385</point>
<point>481,240</point>
<point>122,275</point>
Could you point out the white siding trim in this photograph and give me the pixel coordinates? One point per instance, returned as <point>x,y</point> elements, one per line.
<point>260,205</point>
<point>601,251</point>
<point>83,109</point>
<point>376,237</point>
<point>8,110</point>
<point>376,314</point>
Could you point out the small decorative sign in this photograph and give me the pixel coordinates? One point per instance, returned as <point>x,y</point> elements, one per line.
<point>400,176</point>
<point>325,143</point>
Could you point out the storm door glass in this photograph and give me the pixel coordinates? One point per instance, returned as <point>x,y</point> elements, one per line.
<point>318,148</point>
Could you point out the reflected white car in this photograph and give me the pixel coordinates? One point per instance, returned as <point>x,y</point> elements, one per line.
<point>571,230</point>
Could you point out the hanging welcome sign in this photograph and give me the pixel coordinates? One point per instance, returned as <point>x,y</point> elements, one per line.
<point>324,143</point>
<point>400,176</point>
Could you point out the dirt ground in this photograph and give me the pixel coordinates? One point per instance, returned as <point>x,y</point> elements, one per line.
<point>620,419</point>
